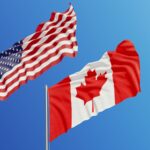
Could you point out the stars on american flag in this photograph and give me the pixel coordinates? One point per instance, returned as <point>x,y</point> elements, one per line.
<point>10,58</point>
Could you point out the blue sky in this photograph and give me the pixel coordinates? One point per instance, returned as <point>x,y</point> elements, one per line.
<point>101,26</point>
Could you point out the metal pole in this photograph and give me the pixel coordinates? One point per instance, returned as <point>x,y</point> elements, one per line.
<point>46,117</point>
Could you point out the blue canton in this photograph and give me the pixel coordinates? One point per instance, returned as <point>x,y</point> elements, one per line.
<point>10,58</point>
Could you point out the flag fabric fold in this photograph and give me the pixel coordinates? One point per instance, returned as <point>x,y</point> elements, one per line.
<point>30,57</point>
<point>98,86</point>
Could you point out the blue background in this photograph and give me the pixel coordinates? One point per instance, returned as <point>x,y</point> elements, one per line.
<point>102,24</point>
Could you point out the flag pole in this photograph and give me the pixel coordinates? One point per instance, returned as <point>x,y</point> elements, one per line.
<point>46,118</point>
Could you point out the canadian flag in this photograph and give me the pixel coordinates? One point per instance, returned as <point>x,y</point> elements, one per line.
<point>98,86</point>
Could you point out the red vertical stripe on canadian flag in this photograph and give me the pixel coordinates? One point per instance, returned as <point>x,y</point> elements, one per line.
<point>126,71</point>
<point>60,108</point>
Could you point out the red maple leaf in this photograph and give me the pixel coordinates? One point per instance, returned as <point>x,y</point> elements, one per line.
<point>92,88</point>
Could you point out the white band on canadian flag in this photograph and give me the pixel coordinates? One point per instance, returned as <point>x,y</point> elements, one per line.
<point>106,98</point>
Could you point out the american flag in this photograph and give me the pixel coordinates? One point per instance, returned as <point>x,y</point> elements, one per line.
<point>30,57</point>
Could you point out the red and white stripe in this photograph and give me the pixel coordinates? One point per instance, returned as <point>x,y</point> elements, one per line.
<point>46,47</point>
<point>122,71</point>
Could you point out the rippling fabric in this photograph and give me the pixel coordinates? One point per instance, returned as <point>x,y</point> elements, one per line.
<point>98,86</point>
